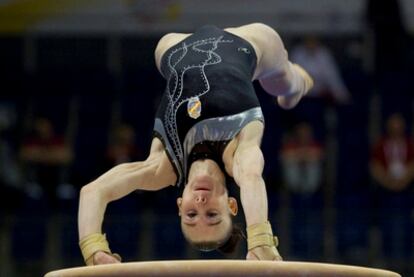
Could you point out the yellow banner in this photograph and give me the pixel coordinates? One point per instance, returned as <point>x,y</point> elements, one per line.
<point>19,15</point>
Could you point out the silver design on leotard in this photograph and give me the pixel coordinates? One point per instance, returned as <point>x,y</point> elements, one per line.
<point>218,129</point>
<point>159,128</point>
<point>213,129</point>
<point>206,50</point>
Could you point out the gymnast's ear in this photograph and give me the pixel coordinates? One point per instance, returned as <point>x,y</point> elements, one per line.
<point>232,206</point>
<point>179,201</point>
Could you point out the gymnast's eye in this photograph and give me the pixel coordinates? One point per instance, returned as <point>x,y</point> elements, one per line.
<point>211,214</point>
<point>191,214</point>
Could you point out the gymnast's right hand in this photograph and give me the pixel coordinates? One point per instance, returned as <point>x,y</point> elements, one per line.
<point>264,253</point>
<point>102,257</point>
<point>261,243</point>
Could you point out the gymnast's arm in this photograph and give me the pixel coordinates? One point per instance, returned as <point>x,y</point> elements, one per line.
<point>248,166</point>
<point>154,173</point>
<point>276,74</point>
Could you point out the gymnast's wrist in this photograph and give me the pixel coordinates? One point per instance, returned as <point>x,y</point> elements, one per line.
<point>93,243</point>
<point>259,235</point>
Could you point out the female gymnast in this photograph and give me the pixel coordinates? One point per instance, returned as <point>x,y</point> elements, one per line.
<point>208,127</point>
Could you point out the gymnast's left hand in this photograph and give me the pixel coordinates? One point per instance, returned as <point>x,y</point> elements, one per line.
<point>101,257</point>
<point>265,253</point>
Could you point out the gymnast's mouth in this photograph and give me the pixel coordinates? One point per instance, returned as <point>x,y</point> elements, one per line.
<point>202,187</point>
<point>203,184</point>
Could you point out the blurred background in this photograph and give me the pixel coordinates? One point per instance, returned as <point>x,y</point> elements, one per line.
<point>78,94</point>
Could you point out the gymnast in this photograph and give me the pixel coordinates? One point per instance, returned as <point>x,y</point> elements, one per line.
<point>208,128</point>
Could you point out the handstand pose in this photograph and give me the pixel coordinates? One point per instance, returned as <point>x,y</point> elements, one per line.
<point>209,124</point>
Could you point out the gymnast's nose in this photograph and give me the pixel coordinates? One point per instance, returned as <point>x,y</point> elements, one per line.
<point>201,198</point>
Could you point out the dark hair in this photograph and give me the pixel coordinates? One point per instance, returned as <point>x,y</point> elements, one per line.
<point>235,237</point>
<point>228,247</point>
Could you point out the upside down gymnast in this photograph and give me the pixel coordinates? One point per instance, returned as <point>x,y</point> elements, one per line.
<point>208,127</point>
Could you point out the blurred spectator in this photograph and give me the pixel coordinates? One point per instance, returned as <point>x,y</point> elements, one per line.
<point>123,147</point>
<point>392,168</point>
<point>46,157</point>
<point>392,161</point>
<point>321,65</point>
<point>302,160</point>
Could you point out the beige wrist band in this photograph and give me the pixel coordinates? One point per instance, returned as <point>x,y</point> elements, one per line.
<point>261,235</point>
<point>93,243</point>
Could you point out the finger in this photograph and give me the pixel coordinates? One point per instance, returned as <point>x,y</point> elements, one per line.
<point>278,258</point>
<point>251,256</point>
<point>107,259</point>
<point>104,258</point>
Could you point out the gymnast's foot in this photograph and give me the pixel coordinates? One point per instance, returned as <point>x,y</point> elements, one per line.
<point>291,100</point>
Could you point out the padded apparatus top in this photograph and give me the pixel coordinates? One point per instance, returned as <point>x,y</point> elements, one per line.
<point>233,268</point>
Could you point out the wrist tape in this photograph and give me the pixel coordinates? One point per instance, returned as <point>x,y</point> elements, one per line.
<point>261,235</point>
<point>93,243</point>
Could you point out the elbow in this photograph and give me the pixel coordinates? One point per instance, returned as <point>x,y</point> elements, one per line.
<point>93,192</point>
<point>87,191</point>
<point>248,179</point>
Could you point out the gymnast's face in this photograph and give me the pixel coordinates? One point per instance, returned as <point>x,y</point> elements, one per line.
<point>205,210</point>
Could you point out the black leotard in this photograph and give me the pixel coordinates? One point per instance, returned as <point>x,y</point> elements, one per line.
<point>213,68</point>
